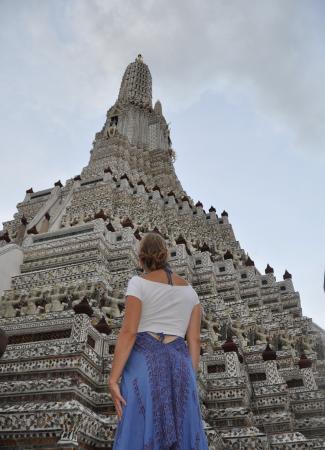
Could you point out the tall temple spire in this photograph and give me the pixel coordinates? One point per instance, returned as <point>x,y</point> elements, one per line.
<point>133,117</point>
<point>136,86</point>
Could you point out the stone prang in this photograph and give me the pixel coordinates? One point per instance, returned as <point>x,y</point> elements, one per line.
<point>65,260</point>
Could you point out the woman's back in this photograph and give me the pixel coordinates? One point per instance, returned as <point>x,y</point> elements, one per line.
<point>164,303</point>
<point>161,276</point>
<point>165,307</point>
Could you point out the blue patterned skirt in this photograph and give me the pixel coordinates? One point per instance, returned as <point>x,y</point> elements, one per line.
<point>162,410</point>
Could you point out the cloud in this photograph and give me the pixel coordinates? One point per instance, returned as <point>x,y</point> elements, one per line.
<point>270,52</point>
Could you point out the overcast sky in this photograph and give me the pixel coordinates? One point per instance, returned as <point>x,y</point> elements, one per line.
<point>241,83</point>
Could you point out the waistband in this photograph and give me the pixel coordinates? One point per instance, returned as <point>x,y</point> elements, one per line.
<point>161,335</point>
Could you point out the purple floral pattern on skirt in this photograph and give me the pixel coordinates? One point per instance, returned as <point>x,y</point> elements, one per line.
<point>162,410</point>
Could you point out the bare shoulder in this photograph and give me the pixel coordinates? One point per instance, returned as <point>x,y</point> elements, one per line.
<point>180,281</point>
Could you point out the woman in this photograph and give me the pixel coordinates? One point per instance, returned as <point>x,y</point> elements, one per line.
<point>158,404</point>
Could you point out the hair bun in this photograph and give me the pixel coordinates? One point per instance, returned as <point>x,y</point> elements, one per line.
<point>153,251</point>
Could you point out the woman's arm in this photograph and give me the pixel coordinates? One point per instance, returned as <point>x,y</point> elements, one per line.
<point>194,349</point>
<point>193,336</point>
<point>126,337</point>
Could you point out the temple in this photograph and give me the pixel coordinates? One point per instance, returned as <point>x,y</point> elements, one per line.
<point>65,260</point>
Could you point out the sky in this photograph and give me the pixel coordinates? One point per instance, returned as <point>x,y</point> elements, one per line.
<point>241,84</point>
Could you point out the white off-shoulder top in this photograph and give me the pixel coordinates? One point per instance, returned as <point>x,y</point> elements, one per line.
<point>166,308</point>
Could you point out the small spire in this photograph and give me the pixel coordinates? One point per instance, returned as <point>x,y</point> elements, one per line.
<point>83,307</point>
<point>304,362</point>
<point>269,269</point>
<point>228,255</point>
<point>102,327</point>
<point>249,262</point>
<point>205,247</point>
<point>180,240</point>
<point>32,230</point>
<point>108,170</point>
<point>110,227</point>
<point>229,346</point>
<point>137,235</point>
<point>5,236</point>
<point>287,275</point>
<point>268,354</point>
<point>100,215</point>
<point>24,220</point>
<point>127,223</point>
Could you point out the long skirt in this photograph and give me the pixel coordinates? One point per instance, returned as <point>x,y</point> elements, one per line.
<point>162,410</point>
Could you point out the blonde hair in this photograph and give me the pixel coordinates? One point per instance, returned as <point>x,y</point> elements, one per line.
<point>153,251</point>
